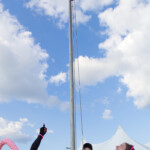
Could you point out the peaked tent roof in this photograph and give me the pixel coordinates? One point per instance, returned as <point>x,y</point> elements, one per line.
<point>119,137</point>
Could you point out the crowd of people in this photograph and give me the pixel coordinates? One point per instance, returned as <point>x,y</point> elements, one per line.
<point>86,146</point>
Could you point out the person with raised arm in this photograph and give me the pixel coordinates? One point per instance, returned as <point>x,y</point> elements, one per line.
<point>37,141</point>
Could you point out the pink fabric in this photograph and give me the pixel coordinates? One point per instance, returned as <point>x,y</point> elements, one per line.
<point>132,148</point>
<point>9,143</point>
<point>41,135</point>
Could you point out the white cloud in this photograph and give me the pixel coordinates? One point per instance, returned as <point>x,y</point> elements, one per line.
<point>90,5</point>
<point>50,131</point>
<point>64,106</point>
<point>13,130</point>
<point>105,101</point>
<point>107,114</point>
<point>92,70</point>
<point>59,78</point>
<point>55,8</point>
<point>81,17</point>
<point>37,131</point>
<point>131,24</point>
<point>127,50</point>
<point>59,8</point>
<point>23,64</point>
<point>119,90</point>
<point>52,101</point>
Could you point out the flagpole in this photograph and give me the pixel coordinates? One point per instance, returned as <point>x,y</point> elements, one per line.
<point>72,122</point>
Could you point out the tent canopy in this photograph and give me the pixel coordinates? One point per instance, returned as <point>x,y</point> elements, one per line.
<point>119,137</point>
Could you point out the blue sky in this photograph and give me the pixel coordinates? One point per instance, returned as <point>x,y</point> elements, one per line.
<point>113,42</point>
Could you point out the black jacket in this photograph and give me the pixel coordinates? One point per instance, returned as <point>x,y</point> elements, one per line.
<point>36,143</point>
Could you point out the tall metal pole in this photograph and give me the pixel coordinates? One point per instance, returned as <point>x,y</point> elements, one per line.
<point>72,122</point>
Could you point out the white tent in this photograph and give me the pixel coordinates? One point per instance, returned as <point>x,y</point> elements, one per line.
<point>119,137</point>
<point>148,145</point>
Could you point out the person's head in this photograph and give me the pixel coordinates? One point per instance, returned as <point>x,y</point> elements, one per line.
<point>129,147</point>
<point>125,146</point>
<point>87,146</point>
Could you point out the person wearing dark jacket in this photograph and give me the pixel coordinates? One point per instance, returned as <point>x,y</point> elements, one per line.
<point>37,141</point>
